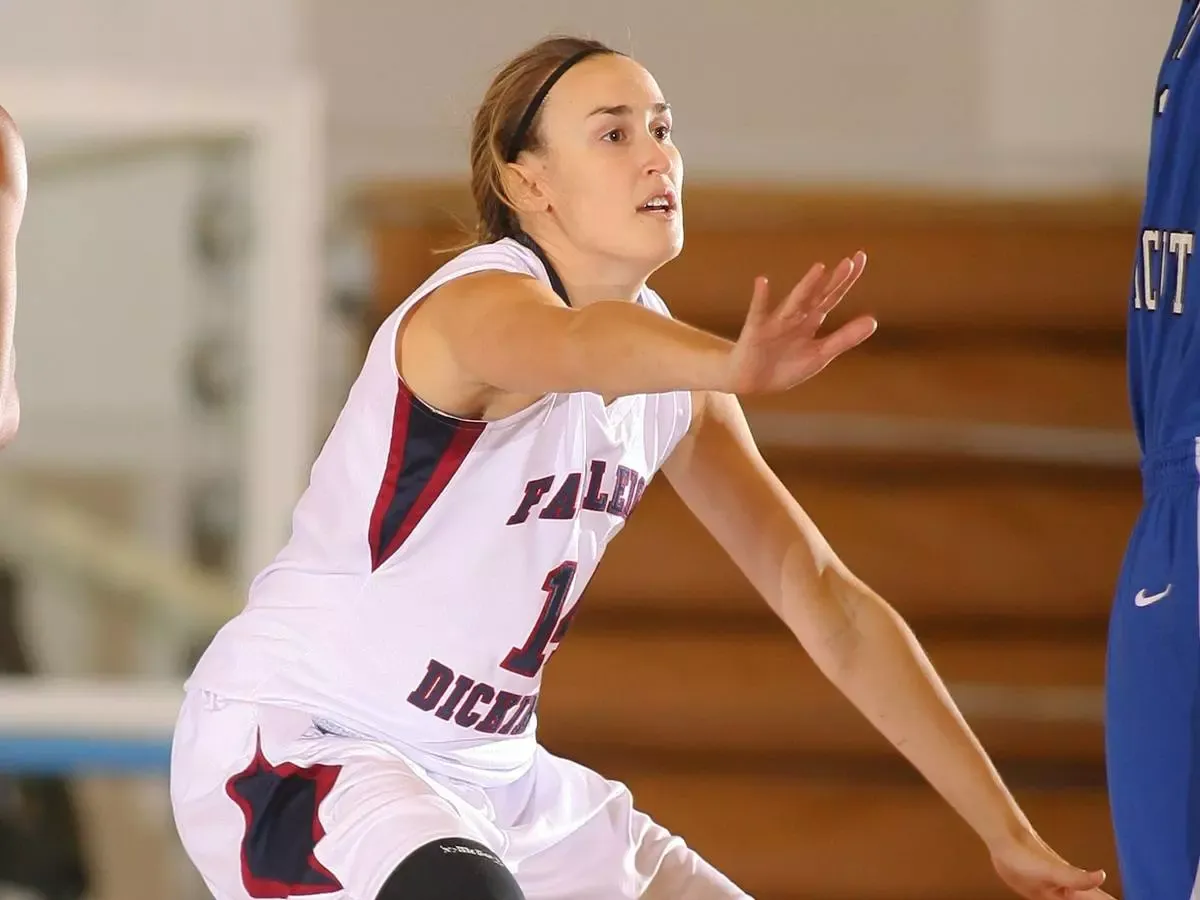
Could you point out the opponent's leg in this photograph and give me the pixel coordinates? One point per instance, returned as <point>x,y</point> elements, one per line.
<point>1152,694</point>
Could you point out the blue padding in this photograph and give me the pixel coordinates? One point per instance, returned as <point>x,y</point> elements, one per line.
<point>62,755</point>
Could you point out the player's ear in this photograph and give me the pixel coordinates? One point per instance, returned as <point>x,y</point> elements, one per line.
<point>524,185</point>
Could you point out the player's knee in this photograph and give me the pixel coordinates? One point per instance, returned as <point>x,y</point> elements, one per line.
<point>451,869</point>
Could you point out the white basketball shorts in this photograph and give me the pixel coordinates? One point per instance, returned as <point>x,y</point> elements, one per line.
<point>268,805</point>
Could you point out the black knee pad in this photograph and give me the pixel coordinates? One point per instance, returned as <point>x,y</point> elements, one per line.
<point>451,869</point>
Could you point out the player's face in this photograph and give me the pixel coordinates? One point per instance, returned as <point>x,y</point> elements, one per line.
<point>612,175</point>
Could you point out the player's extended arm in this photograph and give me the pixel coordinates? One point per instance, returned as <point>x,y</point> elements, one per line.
<point>856,639</point>
<point>13,187</point>
<point>512,333</point>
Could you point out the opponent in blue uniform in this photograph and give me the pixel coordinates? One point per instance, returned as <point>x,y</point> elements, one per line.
<point>1153,677</point>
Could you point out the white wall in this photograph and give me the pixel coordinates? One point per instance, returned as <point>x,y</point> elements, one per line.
<point>92,375</point>
<point>755,85</point>
<point>1020,92</point>
<point>1071,83</point>
<point>212,41</point>
<point>975,91</point>
<point>109,289</point>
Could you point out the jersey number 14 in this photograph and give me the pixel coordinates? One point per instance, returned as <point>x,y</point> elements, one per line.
<point>551,625</point>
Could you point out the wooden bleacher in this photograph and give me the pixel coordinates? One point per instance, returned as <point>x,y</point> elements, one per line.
<point>973,462</point>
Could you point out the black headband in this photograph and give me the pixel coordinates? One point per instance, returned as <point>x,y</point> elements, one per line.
<point>517,141</point>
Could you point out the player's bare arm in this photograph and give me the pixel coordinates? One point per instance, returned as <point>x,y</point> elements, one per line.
<point>510,334</point>
<point>13,187</point>
<point>855,637</point>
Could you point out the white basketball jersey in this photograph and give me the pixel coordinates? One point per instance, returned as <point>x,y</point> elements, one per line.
<point>435,563</point>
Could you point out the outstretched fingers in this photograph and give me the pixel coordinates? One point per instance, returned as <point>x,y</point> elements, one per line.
<point>845,338</point>
<point>811,301</point>
<point>759,309</point>
<point>838,289</point>
<point>806,291</point>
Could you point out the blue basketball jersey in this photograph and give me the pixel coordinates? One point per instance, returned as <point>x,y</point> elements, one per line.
<point>1164,309</point>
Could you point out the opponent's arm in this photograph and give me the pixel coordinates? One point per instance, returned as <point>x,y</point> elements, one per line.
<point>513,334</point>
<point>13,187</point>
<point>856,639</point>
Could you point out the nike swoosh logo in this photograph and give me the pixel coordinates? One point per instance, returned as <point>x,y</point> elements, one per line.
<point>1144,599</point>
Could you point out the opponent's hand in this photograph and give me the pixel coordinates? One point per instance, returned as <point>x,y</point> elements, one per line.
<point>14,185</point>
<point>1034,871</point>
<point>14,175</point>
<point>779,348</point>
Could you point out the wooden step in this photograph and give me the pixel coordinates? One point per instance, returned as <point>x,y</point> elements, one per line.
<point>787,839</point>
<point>938,541</point>
<point>975,275</point>
<point>754,696</point>
<point>936,261</point>
<point>945,381</point>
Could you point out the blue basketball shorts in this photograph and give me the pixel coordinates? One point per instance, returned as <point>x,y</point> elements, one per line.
<point>1152,687</point>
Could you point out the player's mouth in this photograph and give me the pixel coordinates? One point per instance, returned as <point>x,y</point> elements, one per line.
<point>664,204</point>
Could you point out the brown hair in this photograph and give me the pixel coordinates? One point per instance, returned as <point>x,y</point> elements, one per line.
<point>498,119</point>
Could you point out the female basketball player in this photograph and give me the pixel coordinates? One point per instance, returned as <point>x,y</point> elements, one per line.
<point>365,728</point>
<point>13,186</point>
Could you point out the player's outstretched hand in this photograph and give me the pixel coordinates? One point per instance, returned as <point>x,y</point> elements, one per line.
<point>1036,872</point>
<point>779,347</point>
